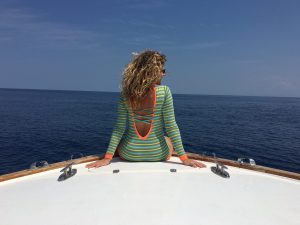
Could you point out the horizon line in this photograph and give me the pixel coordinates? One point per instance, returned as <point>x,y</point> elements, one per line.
<point>38,89</point>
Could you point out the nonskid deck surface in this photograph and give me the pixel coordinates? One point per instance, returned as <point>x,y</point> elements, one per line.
<point>148,193</point>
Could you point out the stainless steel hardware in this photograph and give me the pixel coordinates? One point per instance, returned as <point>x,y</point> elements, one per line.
<point>219,168</point>
<point>249,161</point>
<point>38,164</point>
<point>76,153</point>
<point>67,172</point>
<point>205,153</point>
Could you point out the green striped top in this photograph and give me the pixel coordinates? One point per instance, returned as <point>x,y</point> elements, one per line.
<point>153,146</point>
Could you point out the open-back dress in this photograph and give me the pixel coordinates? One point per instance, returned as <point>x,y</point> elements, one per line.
<point>152,146</point>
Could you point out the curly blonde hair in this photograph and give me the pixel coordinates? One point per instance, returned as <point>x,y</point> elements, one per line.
<point>140,75</point>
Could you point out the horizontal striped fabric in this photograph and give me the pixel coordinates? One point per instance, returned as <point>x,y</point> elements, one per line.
<point>152,147</point>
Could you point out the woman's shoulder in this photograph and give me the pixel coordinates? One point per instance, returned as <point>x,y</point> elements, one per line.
<point>163,87</point>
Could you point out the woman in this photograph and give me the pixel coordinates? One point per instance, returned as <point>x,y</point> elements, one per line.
<point>148,107</point>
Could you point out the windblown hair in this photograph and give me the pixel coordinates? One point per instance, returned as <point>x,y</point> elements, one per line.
<point>140,75</point>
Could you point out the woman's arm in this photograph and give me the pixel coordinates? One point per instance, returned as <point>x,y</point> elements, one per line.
<point>118,129</point>
<point>171,125</point>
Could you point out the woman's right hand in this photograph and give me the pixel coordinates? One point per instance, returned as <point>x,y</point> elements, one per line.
<point>98,163</point>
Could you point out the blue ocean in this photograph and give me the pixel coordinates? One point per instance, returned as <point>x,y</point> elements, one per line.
<point>51,125</point>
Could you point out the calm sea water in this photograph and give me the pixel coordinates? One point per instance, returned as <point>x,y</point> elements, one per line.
<point>48,125</point>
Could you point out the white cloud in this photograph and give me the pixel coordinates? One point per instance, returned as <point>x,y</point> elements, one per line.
<point>195,45</point>
<point>146,5</point>
<point>28,27</point>
<point>247,61</point>
<point>289,84</point>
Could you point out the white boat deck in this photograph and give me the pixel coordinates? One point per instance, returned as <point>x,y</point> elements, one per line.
<point>149,194</point>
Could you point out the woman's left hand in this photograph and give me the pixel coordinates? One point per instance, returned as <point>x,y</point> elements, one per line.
<point>193,163</point>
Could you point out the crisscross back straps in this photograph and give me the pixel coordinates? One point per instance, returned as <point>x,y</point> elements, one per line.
<point>145,118</point>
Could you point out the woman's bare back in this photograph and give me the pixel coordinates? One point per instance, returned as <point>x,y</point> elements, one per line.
<point>147,108</point>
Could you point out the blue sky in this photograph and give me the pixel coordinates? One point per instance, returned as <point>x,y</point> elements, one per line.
<point>213,47</point>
